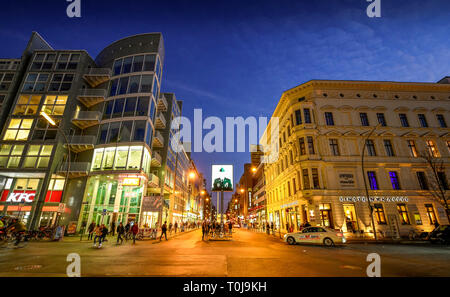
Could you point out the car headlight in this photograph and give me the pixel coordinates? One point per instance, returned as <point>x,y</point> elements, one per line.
<point>285,235</point>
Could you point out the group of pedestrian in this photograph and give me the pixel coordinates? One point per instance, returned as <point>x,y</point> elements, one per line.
<point>101,231</point>
<point>216,227</point>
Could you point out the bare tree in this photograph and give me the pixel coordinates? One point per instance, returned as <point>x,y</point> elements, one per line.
<point>438,186</point>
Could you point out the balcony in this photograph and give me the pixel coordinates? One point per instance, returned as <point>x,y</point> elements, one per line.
<point>156,159</point>
<point>97,76</point>
<point>158,140</point>
<point>76,169</point>
<point>81,143</point>
<point>162,103</point>
<point>86,119</point>
<point>160,121</point>
<point>91,97</point>
<point>153,181</point>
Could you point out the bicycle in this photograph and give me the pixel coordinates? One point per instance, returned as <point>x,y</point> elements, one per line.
<point>13,241</point>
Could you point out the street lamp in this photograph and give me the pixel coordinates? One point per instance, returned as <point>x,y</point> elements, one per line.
<point>365,182</point>
<point>53,123</point>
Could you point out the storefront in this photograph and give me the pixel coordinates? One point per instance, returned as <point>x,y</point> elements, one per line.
<point>112,198</point>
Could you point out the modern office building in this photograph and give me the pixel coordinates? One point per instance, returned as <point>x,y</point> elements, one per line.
<point>318,177</point>
<point>83,140</point>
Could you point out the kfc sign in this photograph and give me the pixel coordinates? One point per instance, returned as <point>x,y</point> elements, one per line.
<point>21,197</point>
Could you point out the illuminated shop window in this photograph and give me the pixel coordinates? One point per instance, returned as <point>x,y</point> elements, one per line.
<point>27,105</point>
<point>35,82</point>
<point>379,213</point>
<point>121,158</point>
<point>26,184</point>
<point>18,129</point>
<point>10,155</point>
<point>403,212</point>
<point>56,184</point>
<point>54,105</point>
<point>38,156</point>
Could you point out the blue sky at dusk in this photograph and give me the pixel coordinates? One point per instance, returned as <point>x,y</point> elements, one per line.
<point>235,58</point>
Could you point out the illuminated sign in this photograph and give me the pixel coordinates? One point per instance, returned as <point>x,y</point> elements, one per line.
<point>131,181</point>
<point>21,197</point>
<point>222,178</point>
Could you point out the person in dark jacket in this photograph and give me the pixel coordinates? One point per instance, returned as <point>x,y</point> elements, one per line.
<point>120,232</point>
<point>163,230</point>
<point>230,227</point>
<point>104,233</point>
<point>134,231</point>
<point>113,228</point>
<point>91,230</point>
<point>204,230</point>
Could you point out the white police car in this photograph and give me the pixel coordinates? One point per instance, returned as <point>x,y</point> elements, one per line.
<point>317,235</point>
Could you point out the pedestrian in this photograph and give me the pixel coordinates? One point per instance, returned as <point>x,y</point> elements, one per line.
<point>91,230</point>
<point>104,233</point>
<point>163,230</point>
<point>204,230</point>
<point>176,227</point>
<point>134,231</point>
<point>127,230</point>
<point>267,229</point>
<point>271,227</point>
<point>307,224</point>
<point>230,227</point>
<point>113,228</point>
<point>170,228</point>
<point>120,232</point>
<point>98,235</point>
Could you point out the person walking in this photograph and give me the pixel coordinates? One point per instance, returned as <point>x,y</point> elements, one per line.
<point>271,227</point>
<point>267,228</point>
<point>204,230</point>
<point>134,231</point>
<point>98,235</point>
<point>120,232</point>
<point>91,230</point>
<point>170,228</point>
<point>104,233</point>
<point>163,230</point>
<point>230,227</point>
<point>176,227</point>
<point>127,231</point>
<point>113,228</point>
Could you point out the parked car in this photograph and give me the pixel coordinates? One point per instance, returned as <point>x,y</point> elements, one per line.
<point>318,235</point>
<point>440,235</point>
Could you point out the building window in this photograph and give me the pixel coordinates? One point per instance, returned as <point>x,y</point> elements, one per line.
<point>38,156</point>
<point>423,183</point>
<point>441,120</point>
<point>298,117</point>
<point>422,120</point>
<point>43,61</point>
<point>329,118</point>
<point>27,105</point>
<point>302,146</point>
<point>128,107</point>
<point>54,105</point>
<point>372,180</point>
<point>379,213</point>
<point>412,148</point>
<point>61,82</point>
<point>381,119</point>
<point>442,180</point>
<point>35,82</point>
<point>10,155</point>
<point>310,145</point>
<point>430,213</point>
<point>306,185</point>
<point>44,130</point>
<point>403,120</point>
<point>68,61</point>
<point>334,147</point>
<point>307,115</point>
<point>394,180</point>
<point>18,129</point>
<point>388,147</point>
<point>315,178</point>
<point>370,146</point>
<point>6,80</point>
<point>134,64</point>
<point>432,149</point>
<point>364,119</point>
<point>120,158</point>
<point>402,211</point>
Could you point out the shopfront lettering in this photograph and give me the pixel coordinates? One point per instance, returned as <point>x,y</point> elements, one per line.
<point>374,199</point>
<point>21,197</point>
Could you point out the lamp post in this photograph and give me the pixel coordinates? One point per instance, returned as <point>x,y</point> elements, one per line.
<point>53,123</point>
<point>365,182</point>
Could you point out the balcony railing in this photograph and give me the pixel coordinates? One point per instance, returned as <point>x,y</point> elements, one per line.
<point>156,159</point>
<point>160,121</point>
<point>153,181</point>
<point>76,169</point>
<point>162,103</point>
<point>80,143</point>
<point>85,119</point>
<point>97,76</point>
<point>91,97</point>
<point>158,140</point>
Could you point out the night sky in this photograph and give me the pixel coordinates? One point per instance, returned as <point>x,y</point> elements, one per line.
<point>235,58</point>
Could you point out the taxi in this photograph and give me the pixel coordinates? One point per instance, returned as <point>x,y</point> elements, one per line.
<point>316,235</point>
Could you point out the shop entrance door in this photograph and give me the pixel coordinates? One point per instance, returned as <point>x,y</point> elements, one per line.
<point>351,220</point>
<point>325,215</point>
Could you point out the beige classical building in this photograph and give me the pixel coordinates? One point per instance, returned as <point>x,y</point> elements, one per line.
<point>317,177</point>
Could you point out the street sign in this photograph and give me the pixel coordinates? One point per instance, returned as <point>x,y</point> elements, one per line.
<point>222,178</point>
<point>61,207</point>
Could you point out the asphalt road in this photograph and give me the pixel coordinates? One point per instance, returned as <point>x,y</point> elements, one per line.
<point>248,254</point>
